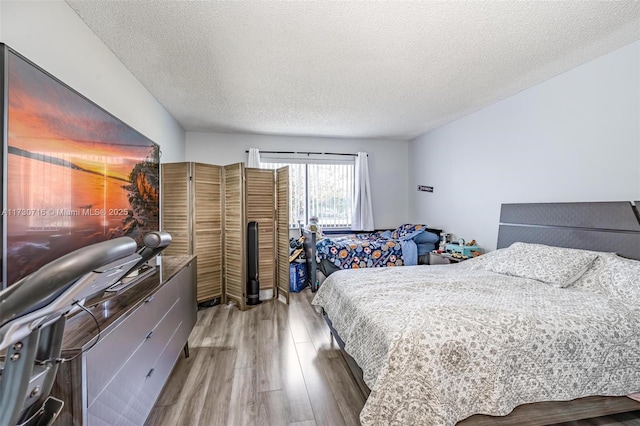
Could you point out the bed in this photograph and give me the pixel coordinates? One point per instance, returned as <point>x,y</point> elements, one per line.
<point>403,246</point>
<point>526,326</point>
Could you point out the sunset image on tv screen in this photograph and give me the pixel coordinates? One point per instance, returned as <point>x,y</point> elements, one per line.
<point>75,174</point>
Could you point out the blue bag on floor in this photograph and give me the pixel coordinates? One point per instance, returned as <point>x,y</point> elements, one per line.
<point>297,277</point>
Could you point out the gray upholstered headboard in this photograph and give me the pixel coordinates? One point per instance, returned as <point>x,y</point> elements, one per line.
<point>600,226</point>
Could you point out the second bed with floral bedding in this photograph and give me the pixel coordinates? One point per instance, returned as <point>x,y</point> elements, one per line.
<point>400,247</point>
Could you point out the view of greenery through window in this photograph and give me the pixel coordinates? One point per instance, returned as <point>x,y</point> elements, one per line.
<point>322,190</point>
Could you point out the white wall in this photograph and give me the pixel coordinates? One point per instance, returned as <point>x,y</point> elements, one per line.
<point>53,36</point>
<point>575,137</point>
<point>387,163</point>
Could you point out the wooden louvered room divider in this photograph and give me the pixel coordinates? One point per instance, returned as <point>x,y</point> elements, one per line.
<point>207,229</point>
<point>282,230</point>
<point>206,209</point>
<point>176,207</point>
<point>261,208</point>
<point>235,240</point>
<point>192,214</point>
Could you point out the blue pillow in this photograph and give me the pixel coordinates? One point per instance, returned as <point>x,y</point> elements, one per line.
<point>386,234</point>
<point>407,231</point>
<point>426,237</point>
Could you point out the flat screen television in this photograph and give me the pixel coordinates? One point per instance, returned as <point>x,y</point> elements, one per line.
<point>73,174</point>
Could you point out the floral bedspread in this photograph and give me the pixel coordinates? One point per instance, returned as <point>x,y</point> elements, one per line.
<point>440,343</point>
<point>370,250</point>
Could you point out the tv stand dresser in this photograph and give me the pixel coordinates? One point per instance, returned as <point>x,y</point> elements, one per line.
<point>143,330</point>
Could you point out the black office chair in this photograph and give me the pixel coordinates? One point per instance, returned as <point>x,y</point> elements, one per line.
<point>32,318</point>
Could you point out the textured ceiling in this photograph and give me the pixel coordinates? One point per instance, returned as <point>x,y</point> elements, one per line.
<point>388,70</point>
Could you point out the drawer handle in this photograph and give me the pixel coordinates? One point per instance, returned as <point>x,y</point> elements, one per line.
<point>148,299</point>
<point>150,373</point>
<point>149,335</point>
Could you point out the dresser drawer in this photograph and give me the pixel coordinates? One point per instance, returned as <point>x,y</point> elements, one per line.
<point>158,338</point>
<point>123,389</point>
<point>116,349</point>
<point>110,405</point>
<point>128,399</point>
<point>138,410</point>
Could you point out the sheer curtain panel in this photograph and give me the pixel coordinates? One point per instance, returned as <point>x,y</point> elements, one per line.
<point>362,209</point>
<point>253,159</point>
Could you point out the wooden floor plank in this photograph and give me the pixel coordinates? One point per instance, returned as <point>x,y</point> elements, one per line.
<point>196,336</point>
<point>192,389</point>
<point>271,408</point>
<point>215,330</point>
<point>216,409</point>
<point>160,414</point>
<point>175,384</point>
<point>247,343</point>
<point>303,423</point>
<point>268,356</point>
<point>243,409</point>
<point>205,317</point>
<point>209,337</point>
<point>197,384</point>
<point>325,408</point>
<point>349,398</point>
<point>266,311</point>
<point>297,400</point>
<point>282,316</point>
<point>296,321</point>
<point>220,314</point>
<point>319,333</point>
<point>231,330</point>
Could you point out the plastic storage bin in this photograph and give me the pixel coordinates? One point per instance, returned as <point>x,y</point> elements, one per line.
<point>297,277</point>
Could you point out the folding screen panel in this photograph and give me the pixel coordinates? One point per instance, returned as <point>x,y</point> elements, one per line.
<point>207,229</point>
<point>260,207</point>
<point>235,243</point>
<point>192,214</point>
<point>206,209</point>
<point>175,207</point>
<point>282,230</point>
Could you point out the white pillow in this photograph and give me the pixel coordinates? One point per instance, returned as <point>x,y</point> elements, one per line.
<point>556,266</point>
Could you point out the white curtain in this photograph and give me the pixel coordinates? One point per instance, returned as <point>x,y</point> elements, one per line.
<point>254,158</point>
<point>362,211</point>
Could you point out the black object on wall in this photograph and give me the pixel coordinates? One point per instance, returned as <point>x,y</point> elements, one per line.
<point>253,283</point>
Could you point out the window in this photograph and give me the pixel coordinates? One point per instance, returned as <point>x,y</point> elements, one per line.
<point>319,189</point>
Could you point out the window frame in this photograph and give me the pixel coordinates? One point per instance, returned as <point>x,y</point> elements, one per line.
<point>280,161</point>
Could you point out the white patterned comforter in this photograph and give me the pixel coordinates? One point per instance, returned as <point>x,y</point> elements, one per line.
<point>440,343</point>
